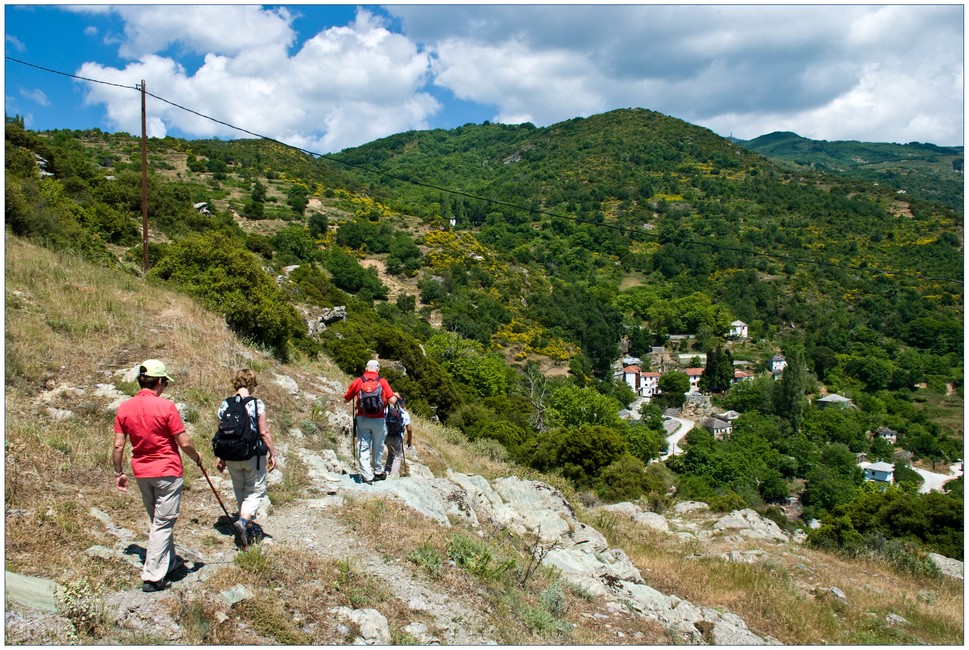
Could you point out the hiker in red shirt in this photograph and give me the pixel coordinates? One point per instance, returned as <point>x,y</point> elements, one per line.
<point>156,432</point>
<point>371,429</point>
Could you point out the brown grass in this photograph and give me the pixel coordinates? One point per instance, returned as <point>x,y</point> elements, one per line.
<point>789,596</point>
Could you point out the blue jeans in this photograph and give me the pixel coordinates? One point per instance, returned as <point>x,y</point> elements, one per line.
<point>371,433</point>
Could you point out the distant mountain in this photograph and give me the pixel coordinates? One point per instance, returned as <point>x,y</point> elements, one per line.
<point>923,170</point>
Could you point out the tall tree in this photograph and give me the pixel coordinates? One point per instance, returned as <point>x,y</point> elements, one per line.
<point>789,396</point>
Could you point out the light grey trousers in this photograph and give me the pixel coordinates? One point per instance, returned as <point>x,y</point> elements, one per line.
<point>370,445</point>
<point>161,497</point>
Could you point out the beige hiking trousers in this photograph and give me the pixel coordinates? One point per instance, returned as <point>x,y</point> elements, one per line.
<point>161,497</point>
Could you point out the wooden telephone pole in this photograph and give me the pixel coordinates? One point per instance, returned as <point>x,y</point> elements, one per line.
<point>144,183</point>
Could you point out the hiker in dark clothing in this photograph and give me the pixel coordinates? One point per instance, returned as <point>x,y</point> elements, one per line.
<point>395,442</point>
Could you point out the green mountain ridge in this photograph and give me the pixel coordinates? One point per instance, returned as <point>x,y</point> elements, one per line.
<point>925,170</point>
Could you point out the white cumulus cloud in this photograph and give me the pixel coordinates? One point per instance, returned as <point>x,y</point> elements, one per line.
<point>343,87</point>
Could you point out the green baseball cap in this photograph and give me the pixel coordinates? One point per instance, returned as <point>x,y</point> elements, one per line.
<point>154,368</point>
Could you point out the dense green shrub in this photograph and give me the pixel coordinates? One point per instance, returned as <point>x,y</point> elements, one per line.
<point>229,279</point>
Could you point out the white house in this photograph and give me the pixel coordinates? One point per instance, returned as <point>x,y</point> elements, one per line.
<point>777,364</point>
<point>742,375</point>
<point>694,374</point>
<point>719,428</point>
<point>881,472</point>
<point>835,400</point>
<point>887,434</point>
<point>643,383</point>
<point>738,330</point>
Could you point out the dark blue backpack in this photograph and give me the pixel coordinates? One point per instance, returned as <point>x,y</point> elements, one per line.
<point>395,421</point>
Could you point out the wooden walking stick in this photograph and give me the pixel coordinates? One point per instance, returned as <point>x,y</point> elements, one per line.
<point>214,491</point>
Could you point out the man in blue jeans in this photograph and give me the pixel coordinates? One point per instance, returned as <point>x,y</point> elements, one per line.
<point>371,427</point>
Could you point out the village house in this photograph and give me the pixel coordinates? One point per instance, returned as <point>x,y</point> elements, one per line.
<point>776,365</point>
<point>719,428</point>
<point>879,472</point>
<point>738,330</point>
<point>694,374</point>
<point>887,435</point>
<point>742,375</point>
<point>729,416</point>
<point>643,383</point>
<point>834,400</point>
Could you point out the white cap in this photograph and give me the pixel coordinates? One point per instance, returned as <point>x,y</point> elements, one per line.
<point>373,365</point>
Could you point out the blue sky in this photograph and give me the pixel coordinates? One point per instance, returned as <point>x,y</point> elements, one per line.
<point>327,77</point>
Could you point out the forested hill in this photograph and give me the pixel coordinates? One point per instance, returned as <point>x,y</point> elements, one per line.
<point>503,272</point>
<point>925,170</point>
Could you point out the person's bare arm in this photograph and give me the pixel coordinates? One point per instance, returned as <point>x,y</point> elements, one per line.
<point>185,443</point>
<point>117,455</point>
<point>268,439</point>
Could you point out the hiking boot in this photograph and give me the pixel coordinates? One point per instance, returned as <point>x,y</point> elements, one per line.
<point>159,585</point>
<point>380,477</point>
<point>368,481</point>
<point>239,529</point>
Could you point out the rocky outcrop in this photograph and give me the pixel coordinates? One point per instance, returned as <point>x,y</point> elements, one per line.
<point>536,510</point>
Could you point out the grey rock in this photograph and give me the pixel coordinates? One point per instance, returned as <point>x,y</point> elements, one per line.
<point>838,594</point>
<point>374,629</point>
<point>59,414</point>
<point>33,592</point>
<point>748,524</point>
<point>288,383</point>
<point>235,594</point>
<point>948,566</point>
<point>420,633</point>
<point>895,619</point>
<point>33,627</point>
<point>689,506</point>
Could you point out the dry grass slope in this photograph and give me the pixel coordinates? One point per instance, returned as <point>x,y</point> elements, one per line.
<point>71,326</point>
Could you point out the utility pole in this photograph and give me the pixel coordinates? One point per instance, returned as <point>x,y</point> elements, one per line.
<point>144,184</point>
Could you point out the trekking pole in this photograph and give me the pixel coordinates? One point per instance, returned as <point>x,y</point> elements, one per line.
<point>353,438</point>
<point>214,491</point>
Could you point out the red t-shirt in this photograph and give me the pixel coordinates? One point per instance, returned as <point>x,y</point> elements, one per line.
<point>151,423</point>
<point>357,384</point>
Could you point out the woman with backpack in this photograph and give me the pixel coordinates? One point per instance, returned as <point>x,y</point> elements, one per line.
<point>249,473</point>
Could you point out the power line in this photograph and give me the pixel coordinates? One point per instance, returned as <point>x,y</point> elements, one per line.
<point>634,232</point>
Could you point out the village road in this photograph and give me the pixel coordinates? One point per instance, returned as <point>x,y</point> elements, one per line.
<point>933,481</point>
<point>672,439</point>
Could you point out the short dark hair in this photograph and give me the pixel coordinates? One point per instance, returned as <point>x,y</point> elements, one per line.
<point>144,381</point>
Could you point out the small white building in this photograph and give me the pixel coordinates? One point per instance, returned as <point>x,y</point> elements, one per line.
<point>738,330</point>
<point>719,428</point>
<point>777,364</point>
<point>694,374</point>
<point>644,383</point>
<point>887,434</point>
<point>880,472</point>
<point>834,400</point>
<point>742,375</point>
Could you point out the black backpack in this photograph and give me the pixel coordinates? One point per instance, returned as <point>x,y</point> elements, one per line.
<point>395,421</point>
<point>371,397</point>
<point>236,438</point>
